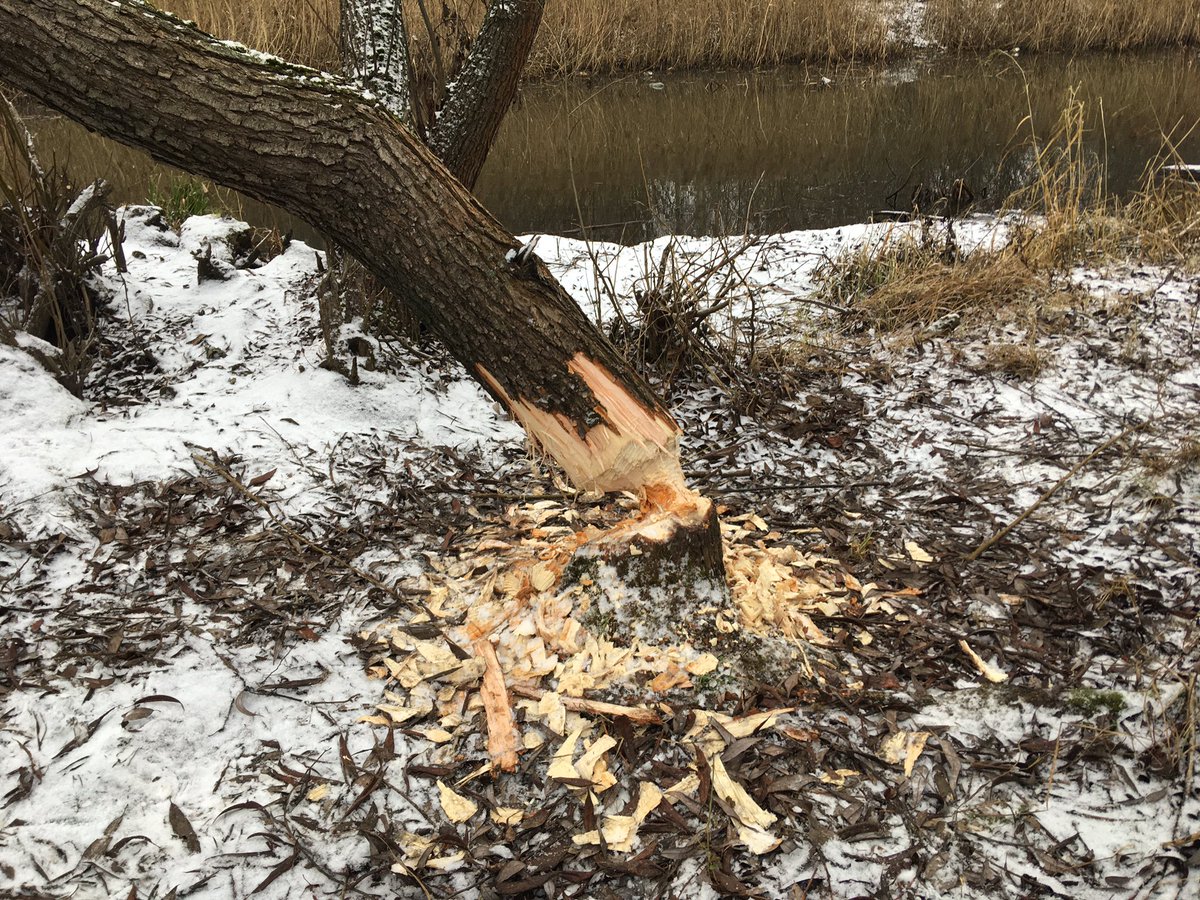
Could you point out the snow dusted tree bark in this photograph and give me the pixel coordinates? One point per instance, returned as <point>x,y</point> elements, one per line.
<point>480,96</point>
<point>375,52</point>
<point>317,147</point>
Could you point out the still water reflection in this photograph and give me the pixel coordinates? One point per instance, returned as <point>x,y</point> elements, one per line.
<point>709,153</point>
<point>703,153</point>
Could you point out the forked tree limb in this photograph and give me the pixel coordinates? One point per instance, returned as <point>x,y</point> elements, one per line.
<point>375,53</point>
<point>482,92</point>
<point>315,146</point>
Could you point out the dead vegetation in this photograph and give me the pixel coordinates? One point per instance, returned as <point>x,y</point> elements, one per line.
<point>920,278</point>
<point>1072,25</point>
<point>587,36</point>
<point>53,239</point>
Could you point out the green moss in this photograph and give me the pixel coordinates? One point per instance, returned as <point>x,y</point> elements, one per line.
<point>1091,702</point>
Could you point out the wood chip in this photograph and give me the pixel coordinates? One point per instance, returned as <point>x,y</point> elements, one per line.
<point>457,807</point>
<point>501,726</point>
<point>904,748</point>
<point>636,714</point>
<point>917,553</point>
<point>986,669</point>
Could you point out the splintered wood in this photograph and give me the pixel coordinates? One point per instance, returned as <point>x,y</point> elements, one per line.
<point>520,661</point>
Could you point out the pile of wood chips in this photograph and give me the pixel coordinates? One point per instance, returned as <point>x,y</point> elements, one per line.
<point>501,644</point>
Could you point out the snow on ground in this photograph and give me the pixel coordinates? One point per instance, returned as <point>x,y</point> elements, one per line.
<point>183,684</point>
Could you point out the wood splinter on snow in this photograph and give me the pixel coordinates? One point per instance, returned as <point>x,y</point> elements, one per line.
<point>636,714</point>
<point>501,726</point>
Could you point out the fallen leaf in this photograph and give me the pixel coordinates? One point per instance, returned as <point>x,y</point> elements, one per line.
<point>320,792</point>
<point>183,828</point>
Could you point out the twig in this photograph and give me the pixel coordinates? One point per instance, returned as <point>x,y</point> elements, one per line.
<point>637,714</point>
<point>297,536</point>
<point>1075,470</point>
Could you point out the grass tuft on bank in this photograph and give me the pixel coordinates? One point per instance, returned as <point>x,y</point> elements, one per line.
<point>1063,217</point>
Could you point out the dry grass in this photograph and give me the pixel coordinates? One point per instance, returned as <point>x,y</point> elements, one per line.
<point>1068,25</point>
<point>592,36</point>
<point>606,36</point>
<point>588,35</point>
<point>902,281</point>
<point>1062,217</point>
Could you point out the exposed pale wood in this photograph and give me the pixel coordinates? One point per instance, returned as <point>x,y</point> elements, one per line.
<point>629,448</point>
<point>637,714</point>
<point>317,147</point>
<point>501,726</point>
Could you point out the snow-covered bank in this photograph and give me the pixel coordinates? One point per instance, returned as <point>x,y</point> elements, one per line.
<point>181,670</point>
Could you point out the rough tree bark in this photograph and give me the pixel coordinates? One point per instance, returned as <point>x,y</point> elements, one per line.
<point>375,53</point>
<point>313,145</point>
<point>480,96</point>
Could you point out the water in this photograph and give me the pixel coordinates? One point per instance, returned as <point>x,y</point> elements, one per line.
<point>783,150</point>
<point>708,153</point>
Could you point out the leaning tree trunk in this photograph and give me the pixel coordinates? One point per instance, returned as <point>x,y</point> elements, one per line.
<point>315,146</point>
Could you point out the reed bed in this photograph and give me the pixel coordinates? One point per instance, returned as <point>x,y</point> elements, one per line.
<point>609,36</point>
<point>1063,217</point>
<point>587,35</point>
<point>1065,25</point>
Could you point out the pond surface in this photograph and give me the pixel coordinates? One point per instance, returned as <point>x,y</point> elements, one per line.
<point>705,153</point>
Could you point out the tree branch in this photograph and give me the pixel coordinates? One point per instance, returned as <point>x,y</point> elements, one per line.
<point>480,96</point>
<point>374,52</point>
<point>315,146</point>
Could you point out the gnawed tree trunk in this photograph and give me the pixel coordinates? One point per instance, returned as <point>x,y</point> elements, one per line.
<point>318,148</point>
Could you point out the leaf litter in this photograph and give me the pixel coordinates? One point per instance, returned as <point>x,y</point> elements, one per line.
<point>314,674</point>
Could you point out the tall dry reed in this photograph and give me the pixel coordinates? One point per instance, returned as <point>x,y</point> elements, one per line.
<point>589,35</point>
<point>1066,25</point>
<point>607,36</point>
